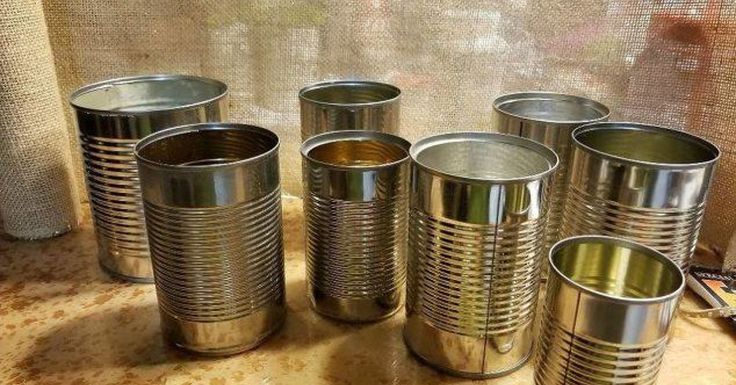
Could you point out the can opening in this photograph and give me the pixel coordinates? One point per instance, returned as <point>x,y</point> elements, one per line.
<point>148,93</point>
<point>358,153</point>
<point>550,107</point>
<point>647,144</point>
<point>483,159</point>
<point>615,268</point>
<point>350,92</point>
<point>208,147</point>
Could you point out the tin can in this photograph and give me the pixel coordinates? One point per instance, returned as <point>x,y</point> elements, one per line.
<point>349,105</point>
<point>213,209</point>
<point>112,116</point>
<point>356,195</point>
<point>608,309</point>
<point>476,236</point>
<point>640,182</point>
<point>548,118</point>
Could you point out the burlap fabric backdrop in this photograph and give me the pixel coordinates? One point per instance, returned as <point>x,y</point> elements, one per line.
<point>664,62</point>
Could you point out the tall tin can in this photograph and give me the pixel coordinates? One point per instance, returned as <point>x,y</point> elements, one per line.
<point>112,116</point>
<point>548,118</point>
<point>640,182</point>
<point>213,209</point>
<point>356,195</point>
<point>477,216</point>
<point>607,312</point>
<point>349,105</point>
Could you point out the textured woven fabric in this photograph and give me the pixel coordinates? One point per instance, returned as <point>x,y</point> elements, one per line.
<point>663,62</point>
<point>38,198</point>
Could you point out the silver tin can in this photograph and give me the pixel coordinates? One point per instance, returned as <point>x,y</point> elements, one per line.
<point>356,196</point>
<point>349,105</point>
<point>112,116</point>
<point>608,309</point>
<point>477,216</point>
<point>640,182</point>
<point>213,209</point>
<point>548,118</point>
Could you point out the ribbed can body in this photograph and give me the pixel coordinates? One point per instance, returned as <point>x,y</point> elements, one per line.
<point>112,116</point>
<point>213,210</point>
<point>548,118</point>
<point>476,234</point>
<point>643,183</point>
<point>607,313</point>
<point>356,194</point>
<point>349,105</point>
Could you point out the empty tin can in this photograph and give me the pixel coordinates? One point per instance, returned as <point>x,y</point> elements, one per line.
<point>548,118</point>
<point>640,182</point>
<point>213,209</point>
<point>112,116</point>
<point>356,195</point>
<point>607,313</point>
<point>476,235</point>
<point>349,105</point>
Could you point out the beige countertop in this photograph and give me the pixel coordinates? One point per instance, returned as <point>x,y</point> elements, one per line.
<point>63,321</point>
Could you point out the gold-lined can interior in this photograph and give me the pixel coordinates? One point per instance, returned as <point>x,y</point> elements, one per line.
<point>357,153</point>
<point>617,270</point>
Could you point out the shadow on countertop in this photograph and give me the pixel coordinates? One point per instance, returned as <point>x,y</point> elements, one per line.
<point>90,346</point>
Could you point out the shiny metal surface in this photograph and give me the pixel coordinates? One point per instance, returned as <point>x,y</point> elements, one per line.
<point>477,216</point>
<point>608,309</point>
<point>356,196</point>
<point>644,183</point>
<point>548,118</point>
<point>112,116</point>
<point>349,105</point>
<point>213,209</point>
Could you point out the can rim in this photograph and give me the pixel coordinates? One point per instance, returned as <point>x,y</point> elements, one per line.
<point>633,126</point>
<point>650,252</point>
<point>201,127</point>
<point>342,82</point>
<point>509,98</point>
<point>354,135</point>
<point>140,79</point>
<point>553,161</point>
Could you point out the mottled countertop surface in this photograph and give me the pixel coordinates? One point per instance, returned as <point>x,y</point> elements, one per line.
<point>63,321</point>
